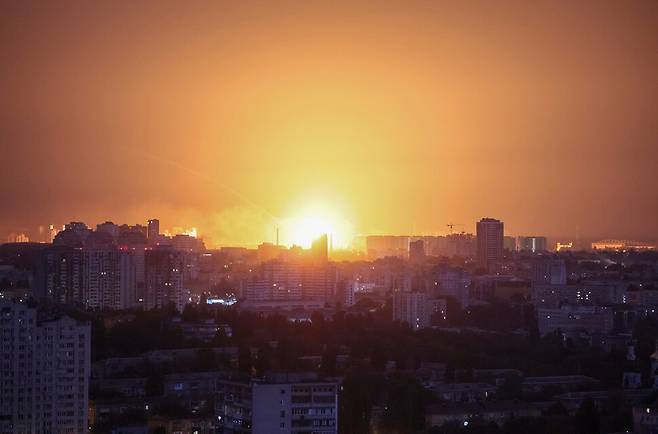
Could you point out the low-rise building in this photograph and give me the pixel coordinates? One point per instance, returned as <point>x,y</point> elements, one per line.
<point>284,403</point>
<point>464,392</point>
<point>573,318</point>
<point>491,411</point>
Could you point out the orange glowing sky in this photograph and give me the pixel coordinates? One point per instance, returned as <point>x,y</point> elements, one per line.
<point>393,117</point>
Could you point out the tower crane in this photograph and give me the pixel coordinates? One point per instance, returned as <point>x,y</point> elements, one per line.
<point>452,225</point>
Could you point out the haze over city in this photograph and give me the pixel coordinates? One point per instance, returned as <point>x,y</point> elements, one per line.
<point>329,217</point>
<point>368,118</point>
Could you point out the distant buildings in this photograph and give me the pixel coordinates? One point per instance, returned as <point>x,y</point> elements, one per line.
<point>163,269</point>
<point>187,243</point>
<point>109,228</point>
<point>622,245</point>
<point>564,246</point>
<point>44,379</point>
<point>153,231</point>
<point>283,403</point>
<point>549,271</point>
<point>18,238</point>
<point>320,248</point>
<point>107,268</point>
<point>531,244</point>
<point>452,282</point>
<point>109,278</point>
<point>570,319</point>
<point>510,244</point>
<point>417,251</point>
<point>269,251</point>
<point>489,241</point>
<point>79,228</point>
<point>416,309</point>
<point>382,246</point>
<point>58,275</point>
<point>289,282</point>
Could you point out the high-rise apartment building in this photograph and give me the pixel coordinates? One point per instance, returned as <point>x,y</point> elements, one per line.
<point>44,375</point>
<point>320,248</point>
<point>292,281</point>
<point>552,271</point>
<point>79,228</point>
<point>109,228</point>
<point>153,231</point>
<point>489,241</point>
<point>58,275</point>
<point>416,309</point>
<point>417,251</point>
<point>452,282</point>
<point>163,269</point>
<point>109,278</point>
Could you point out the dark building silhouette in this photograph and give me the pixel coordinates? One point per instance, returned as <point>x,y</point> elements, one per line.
<point>320,248</point>
<point>490,241</point>
<point>58,275</point>
<point>417,251</point>
<point>163,269</point>
<point>153,231</point>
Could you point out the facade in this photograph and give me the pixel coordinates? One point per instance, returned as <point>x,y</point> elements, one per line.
<point>44,376</point>
<point>460,245</point>
<point>582,293</point>
<point>109,228</point>
<point>58,275</point>
<point>452,282</point>
<point>509,243</point>
<point>492,411</point>
<point>416,309</point>
<point>489,241</point>
<point>549,271</point>
<point>417,251</point>
<point>79,228</point>
<point>382,246</point>
<point>288,282</point>
<point>153,231</point>
<point>573,319</point>
<point>320,248</point>
<point>286,404</point>
<point>187,243</point>
<point>622,245</point>
<point>163,269</point>
<point>532,244</point>
<point>109,278</point>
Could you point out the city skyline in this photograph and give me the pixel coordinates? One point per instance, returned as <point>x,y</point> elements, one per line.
<point>235,118</point>
<point>345,217</point>
<point>303,237</point>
